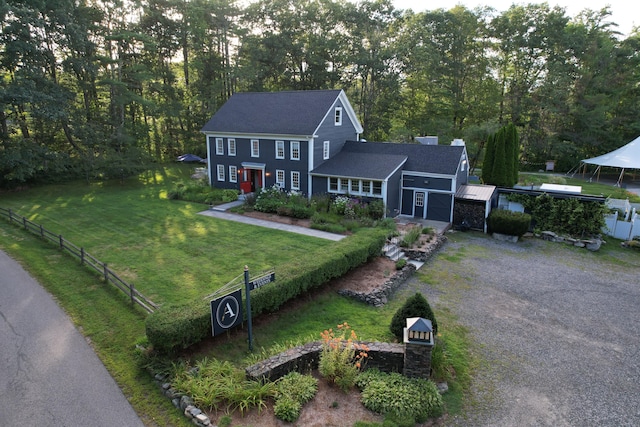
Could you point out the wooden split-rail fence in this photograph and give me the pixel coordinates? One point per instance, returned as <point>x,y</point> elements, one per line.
<point>84,257</point>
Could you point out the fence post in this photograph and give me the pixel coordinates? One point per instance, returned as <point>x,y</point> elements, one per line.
<point>61,241</point>
<point>24,222</point>
<point>106,272</point>
<point>41,231</point>
<point>81,256</point>
<point>131,292</point>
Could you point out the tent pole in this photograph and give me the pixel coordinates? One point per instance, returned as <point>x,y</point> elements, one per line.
<point>619,183</point>
<point>598,170</point>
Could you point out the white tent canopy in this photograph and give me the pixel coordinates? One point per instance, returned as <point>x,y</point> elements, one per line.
<point>625,157</point>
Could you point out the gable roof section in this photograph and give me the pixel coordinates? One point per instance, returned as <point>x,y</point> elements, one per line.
<point>434,159</point>
<point>361,165</point>
<point>279,113</point>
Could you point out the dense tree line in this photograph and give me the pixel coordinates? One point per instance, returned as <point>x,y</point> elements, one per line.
<point>97,88</point>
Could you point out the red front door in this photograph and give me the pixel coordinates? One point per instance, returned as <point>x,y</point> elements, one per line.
<point>250,180</point>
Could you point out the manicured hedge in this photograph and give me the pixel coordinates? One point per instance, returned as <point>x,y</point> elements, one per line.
<point>507,222</point>
<point>174,327</point>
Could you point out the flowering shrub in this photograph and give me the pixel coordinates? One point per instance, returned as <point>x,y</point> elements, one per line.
<point>341,358</point>
<point>270,199</point>
<point>340,204</point>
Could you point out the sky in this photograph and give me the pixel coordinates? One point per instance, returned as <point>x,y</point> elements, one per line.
<point>626,13</point>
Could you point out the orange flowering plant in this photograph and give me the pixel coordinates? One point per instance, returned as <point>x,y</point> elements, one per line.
<point>342,357</point>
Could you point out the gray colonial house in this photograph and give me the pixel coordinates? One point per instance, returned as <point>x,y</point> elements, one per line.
<point>309,141</point>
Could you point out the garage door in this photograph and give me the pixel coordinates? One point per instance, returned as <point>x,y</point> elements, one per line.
<point>439,207</point>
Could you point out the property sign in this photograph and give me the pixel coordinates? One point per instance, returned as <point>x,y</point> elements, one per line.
<point>226,312</point>
<point>261,281</point>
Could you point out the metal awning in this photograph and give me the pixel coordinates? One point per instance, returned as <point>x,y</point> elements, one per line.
<point>477,192</point>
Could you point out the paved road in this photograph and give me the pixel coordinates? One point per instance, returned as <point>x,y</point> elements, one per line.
<point>557,325</point>
<point>49,375</point>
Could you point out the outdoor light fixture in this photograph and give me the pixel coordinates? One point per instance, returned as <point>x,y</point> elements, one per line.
<point>419,331</point>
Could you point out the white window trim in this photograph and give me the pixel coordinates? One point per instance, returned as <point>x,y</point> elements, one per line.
<point>233,173</point>
<point>337,116</point>
<point>219,147</point>
<point>231,146</point>
<point>255,148</point>
<point>220,173</point>
<point>344,187</point>
<point>280,172</point>
<point>326,150</point>
<point>291,150</point>
<point>293,185</point>
<point>280,156</point>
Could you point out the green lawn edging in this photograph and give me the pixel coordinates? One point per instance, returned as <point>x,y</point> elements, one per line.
<point>173,327</point>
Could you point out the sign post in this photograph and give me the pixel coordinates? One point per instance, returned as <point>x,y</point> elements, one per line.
<point>248,294</point>
<point>249,286</point>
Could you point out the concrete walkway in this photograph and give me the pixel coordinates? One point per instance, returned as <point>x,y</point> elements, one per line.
<point>220,211</point>
<point>49,375</point>
<point>275,225</point>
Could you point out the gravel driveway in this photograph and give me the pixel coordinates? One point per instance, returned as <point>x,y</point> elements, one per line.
<point>557,327</point>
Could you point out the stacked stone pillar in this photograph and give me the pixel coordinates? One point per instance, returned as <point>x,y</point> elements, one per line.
<point>418,343</point>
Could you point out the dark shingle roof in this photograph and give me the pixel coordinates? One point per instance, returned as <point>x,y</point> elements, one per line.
<point>437,159</point>
<point>361,165</point>
<point>284,113</point>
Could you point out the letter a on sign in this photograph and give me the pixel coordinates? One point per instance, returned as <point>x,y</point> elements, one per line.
<point>226,312</point>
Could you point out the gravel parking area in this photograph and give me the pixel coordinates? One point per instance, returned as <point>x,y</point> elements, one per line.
<point>557,329</point>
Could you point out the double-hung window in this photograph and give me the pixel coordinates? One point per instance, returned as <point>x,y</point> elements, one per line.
<point>220,172</point>
<point>219,147</point>
<point>295,150</point>
<point>280,178</point>
<point>333,184</point>
<point>338,116</point>
<point>255,148</point>
<point>279,149</point>
<point>326,150</point>
<point>233,174</point>
<point>295,180</point>
<point>231,146</point>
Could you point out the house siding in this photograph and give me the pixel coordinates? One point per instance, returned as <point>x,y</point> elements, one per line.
<point>426,182</point>
<point>320,184</point>
<point>337,135</point>
<point>393,194</point>
<point>267,156</point>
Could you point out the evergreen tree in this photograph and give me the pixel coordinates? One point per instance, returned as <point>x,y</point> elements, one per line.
<point>498,174</point>
<point>487,163</point>
<point>415,306</point>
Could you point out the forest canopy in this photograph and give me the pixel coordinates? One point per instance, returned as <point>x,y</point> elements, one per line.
<point>98,89</point>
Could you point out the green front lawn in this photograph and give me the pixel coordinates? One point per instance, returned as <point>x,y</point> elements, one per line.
<point>168,251</point>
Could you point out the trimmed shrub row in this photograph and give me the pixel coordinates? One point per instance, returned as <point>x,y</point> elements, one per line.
<point>171,328</point>
<point>507,222</point>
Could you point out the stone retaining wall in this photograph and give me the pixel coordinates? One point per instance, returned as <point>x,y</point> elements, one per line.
<point>423,255</point>
<point>379,297</point>
<point>386,357</point>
